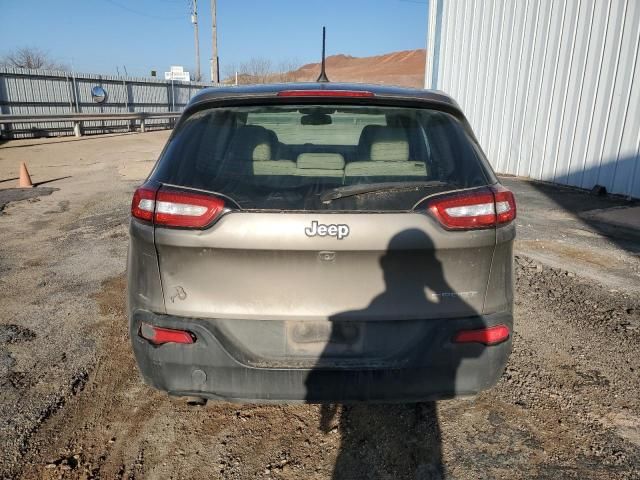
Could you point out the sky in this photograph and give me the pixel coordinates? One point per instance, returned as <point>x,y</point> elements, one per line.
<point>107,36</point>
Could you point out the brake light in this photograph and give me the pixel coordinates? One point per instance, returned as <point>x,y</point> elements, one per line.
<point>487,336</point>
<point>325,93</point>
<point>175,208</point>
<point>466,210</point>
<point>143,203</point>
<point>505,204</point>
<point>482,208</point>
<point>160,336</point>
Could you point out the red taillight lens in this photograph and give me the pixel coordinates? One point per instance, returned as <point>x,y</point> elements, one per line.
<point>160,336</point>
<point>505,205</point>
<point>325,93</point>
<point>143,203</point>
<point>177,208</point>
<point>482,208</point>
<point>487,336</point>
<point>466,210</point>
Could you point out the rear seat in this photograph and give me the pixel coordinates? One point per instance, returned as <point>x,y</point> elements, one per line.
<point>387,155</point>
<point>320,165</point>
<point>257,145</point>
<point>385,151</point>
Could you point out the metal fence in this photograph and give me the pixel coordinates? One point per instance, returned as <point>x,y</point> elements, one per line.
<point>551,87</point>
<point>28,92</point>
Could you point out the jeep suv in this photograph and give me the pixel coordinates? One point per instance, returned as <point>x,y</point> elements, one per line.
<point>321,242</point>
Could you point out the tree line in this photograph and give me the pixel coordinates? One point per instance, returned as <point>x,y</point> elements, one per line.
<point>255,70</point>
<point>31,57</point>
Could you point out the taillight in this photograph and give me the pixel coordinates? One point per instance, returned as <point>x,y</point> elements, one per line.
<point>465,210</point>
<point>325,93</point>
<point>160,336</point>
<point>482,208</point>
<point>175,208</point>
<point>143,203</point>
<point>487,336</point>
<point>505,204</point>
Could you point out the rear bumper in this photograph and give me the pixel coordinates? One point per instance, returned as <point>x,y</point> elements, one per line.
<point>214,367</point>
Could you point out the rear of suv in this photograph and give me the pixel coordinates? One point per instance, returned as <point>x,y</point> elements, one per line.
<point>321,242</point>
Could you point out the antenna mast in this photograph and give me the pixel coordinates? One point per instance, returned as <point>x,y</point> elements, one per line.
<point>323,76</point>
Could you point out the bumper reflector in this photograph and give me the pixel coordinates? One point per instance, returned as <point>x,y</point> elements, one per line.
<point>487,336</point>
<point>160,336</point>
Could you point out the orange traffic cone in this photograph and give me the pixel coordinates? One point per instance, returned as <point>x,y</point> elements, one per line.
<point>25,178</point>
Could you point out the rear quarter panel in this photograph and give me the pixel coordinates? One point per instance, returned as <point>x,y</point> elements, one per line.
<point>144,288</point>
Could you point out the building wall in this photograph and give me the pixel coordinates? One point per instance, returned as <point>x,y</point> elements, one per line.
<point>551,87</point>
<point>24,91</point>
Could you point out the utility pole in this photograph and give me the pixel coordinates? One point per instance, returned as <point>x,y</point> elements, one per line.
<point>214,45</point>
<point>194,20</point>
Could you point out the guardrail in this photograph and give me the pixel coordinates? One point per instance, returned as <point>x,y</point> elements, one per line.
<point>78,118</point>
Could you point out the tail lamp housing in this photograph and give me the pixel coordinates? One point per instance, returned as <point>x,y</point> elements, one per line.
<point>160,336</point>
<point>486,336</point>
<point>485,207</point>
<point>168,207</point>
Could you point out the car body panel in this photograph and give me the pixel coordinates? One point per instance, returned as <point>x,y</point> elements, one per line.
<point>144,287</point>
<point>256,92</point>
<point>263,265</point>
<point>212,369</point>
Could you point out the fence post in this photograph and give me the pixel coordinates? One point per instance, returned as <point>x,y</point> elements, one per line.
<point>69,92</point>
<point>173,97</point>
<point>75,92</point>
<point>142,125</point>
<point>77,129</point>
<point>173,102</point>
<point>131,124</point>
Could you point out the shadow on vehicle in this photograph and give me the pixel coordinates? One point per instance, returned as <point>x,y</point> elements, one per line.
<point>395,440</point>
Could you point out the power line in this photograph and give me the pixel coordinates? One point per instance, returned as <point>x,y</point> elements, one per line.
<point>143,14</point>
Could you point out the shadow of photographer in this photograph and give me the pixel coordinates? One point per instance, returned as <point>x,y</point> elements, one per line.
<point>407,358</point>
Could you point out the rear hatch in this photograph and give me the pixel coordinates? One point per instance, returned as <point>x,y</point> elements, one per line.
<point>309,231</point>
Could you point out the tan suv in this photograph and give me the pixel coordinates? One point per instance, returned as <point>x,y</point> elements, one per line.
<point>321,242</point>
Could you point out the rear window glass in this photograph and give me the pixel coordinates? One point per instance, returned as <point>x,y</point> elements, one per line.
<point>344,129</point>
<point>321,157</point>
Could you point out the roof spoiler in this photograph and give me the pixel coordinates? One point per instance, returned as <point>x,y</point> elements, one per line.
<point>323,75</point>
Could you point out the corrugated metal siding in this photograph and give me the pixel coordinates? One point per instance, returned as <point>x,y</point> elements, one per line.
<point>24,91</point>
<point>551,87</point>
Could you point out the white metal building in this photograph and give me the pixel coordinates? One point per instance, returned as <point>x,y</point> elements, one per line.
<point>551,87</point>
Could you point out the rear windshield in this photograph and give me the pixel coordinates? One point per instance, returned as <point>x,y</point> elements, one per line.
<point>321,157</point>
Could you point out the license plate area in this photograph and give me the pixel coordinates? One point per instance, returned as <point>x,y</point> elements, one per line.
<point>325,338</point>
<point>323,343</point>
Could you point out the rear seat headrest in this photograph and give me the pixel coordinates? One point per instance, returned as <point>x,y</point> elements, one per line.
<point>261,152</point>
<point>366,137</point>
<point>323,161</point>
<point>253,142</point>
<point>389,145</point>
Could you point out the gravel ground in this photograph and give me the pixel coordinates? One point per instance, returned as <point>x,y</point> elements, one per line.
<point>73,406</point>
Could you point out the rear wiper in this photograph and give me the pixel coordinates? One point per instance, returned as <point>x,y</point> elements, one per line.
<point>359,189</point>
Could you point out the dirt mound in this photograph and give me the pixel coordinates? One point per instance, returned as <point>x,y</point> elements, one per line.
<point>404,68</point>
